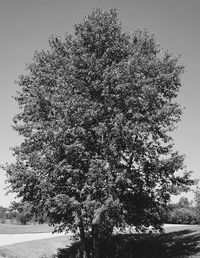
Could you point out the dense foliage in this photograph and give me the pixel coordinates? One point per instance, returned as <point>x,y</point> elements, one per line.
<point>96,112</point>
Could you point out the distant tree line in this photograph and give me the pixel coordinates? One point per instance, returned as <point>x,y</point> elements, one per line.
<point>183,212</point>
<point>18,214</point>
<point>8,215</point>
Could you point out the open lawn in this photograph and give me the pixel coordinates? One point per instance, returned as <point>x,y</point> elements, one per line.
<point>177,242</point>
<point>24,229</point>
<point>35,249</point>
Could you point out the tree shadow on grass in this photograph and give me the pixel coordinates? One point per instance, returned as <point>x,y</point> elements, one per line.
<point>185,243</point>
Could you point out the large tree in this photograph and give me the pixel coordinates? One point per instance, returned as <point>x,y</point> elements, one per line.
<point>97,111</point>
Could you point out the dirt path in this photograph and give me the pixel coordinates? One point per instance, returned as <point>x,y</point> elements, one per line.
<point>9,239</point>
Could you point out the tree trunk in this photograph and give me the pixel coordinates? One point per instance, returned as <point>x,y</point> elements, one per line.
<point>95,242</point>
<point>85,253</point>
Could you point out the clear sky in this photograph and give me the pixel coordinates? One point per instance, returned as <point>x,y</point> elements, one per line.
<point>25,26</point>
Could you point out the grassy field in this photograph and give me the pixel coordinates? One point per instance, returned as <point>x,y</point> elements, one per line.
<point>35,249</point>
<point>22,229</point>
<point>177,242</point>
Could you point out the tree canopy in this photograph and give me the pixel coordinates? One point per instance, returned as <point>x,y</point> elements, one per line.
<point>97,111</point>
